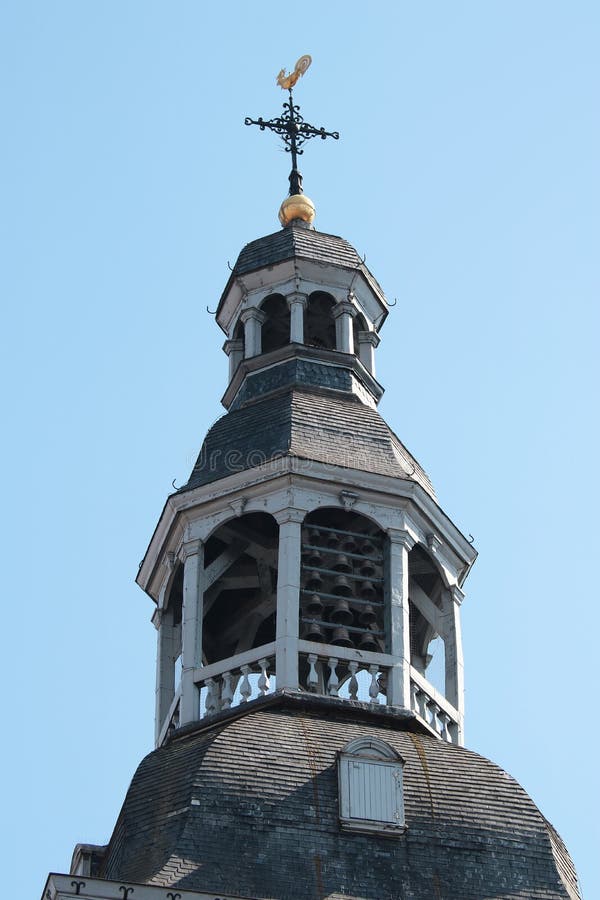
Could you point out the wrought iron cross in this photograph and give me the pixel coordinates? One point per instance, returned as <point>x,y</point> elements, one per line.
<point>292,128</point>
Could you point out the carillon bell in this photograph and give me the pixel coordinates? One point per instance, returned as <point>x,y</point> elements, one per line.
<point>342,587</point>
<point>314,536</point>
<point>368,616</point>
<point>369,643</point>
<point>314,606</point>
<point>314,582</point>
<point>314,558</point>
<point>314,632</point>
<point>341,564</point>
<point>333,541</point>
<point>349,544</point>
<point>367,568</point>
<point>341,613</point>
<point>367,548</point>
<point>367,590</point>
<point>341,638</point>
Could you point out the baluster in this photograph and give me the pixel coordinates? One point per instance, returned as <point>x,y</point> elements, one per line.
<point>245,687</point>
<point>226,691</point>
<point>353,683</point>
<point>264,684</point>
<point>434,710</point>
<point>333,683</point>
<point>445,726</point>
<point>414,691</point>
<point>312,681</point>
<point>374,686</point>
<point>212,696</point>
<point>422,701</point>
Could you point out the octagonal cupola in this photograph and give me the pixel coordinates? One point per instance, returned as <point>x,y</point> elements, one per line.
<point>302,293</point>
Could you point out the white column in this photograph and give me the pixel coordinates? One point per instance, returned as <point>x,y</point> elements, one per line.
<point>297,303</point>
<point>343,313</point>
<point>455,677</point>
<point>252,319</point>
<point>165,666</point>
<point>235,352</point>
<point>191,629</point>
<point>288,596</point>
<point>367,342</point>
<point>398,689</point>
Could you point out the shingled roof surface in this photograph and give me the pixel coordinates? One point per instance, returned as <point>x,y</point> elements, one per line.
<point>250,807</point>
<point>296,241</point>
<point>310,426</point>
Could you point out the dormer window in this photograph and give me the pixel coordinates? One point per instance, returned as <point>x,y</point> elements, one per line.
<point>371,787</point>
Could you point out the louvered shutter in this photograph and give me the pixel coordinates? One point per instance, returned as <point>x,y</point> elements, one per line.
<point>371,791</point>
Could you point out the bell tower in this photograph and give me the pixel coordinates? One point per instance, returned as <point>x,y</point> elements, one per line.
<point>307,552</point>
<point>307,590</point>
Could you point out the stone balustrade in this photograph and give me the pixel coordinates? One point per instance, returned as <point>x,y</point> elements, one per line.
<point>433,708</point>
<point>235,680</point>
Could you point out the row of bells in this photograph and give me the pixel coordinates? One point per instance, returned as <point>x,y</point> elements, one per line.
<point>347,542</point>
<point>341,564</point>
<point>340,637</point>
<point>340,612</point>
<point>341,586</point>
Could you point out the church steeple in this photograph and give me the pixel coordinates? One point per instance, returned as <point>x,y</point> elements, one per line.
<point>309,681</point>
<point>306,553</point>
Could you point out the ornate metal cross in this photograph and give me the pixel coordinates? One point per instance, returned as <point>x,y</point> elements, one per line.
<point>291,126</point>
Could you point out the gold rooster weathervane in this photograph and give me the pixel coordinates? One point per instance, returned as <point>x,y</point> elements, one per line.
<point>294,132</point>
<point>287,82</point>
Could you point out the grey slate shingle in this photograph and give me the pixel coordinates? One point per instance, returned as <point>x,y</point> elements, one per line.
<point>249,806</point>
<point>307,425</point>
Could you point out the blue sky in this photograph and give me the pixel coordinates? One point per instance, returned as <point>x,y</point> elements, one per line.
<point>467,172</point>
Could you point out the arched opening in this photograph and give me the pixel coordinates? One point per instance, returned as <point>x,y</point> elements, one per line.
<point>425,599</point>
<point>342,580</point>
<point>238,335</point>
<point>359,323</point>
<point>276,327</point>
<point>241,596</point>
<point>319,324</point>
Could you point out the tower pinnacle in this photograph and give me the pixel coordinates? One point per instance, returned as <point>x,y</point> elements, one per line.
<point>294,132</point>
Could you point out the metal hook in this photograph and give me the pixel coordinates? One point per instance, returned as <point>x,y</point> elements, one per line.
<point>175,488</point>
<point>211,311</point>
<point>78,885</point>
<point>471,538</point>
<point>126,891</point>
<point>394,303</point>
<point>230,267</point>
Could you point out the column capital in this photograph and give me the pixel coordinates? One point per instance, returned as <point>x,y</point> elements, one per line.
<point>297,297</point>
<point>190,548</point>
<point>343,307</point>
<point>289,514</point>
<point>253,312</point>
<point>230,346</point>
<point>369,337</point>
<point>457,595</point>
<point>404,538</point>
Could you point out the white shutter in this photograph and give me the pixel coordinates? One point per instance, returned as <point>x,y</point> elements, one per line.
<point>371,791</point>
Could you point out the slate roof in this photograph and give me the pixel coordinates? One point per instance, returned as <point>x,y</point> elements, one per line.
<point>296,241</point>
<point>312,426</point>
<point>249,806</point>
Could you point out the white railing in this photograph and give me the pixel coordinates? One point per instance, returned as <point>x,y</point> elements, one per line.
<point>432,708</point>
<point>343,672</point>
<point>235,680</point>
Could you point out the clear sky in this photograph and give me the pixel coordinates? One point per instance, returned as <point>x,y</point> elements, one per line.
<point>467,172</point>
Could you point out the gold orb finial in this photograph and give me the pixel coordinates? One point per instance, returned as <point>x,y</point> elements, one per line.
<point>297,206</point>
